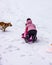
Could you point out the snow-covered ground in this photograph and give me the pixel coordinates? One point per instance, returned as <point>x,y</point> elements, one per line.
<point>13,49</point>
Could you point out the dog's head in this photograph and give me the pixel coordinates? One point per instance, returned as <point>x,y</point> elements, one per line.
<point>9,24</point>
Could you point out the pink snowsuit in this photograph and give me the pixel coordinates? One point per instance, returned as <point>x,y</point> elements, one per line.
<point>29,26</point>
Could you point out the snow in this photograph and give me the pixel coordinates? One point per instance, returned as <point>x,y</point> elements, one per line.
<point>13,49</point>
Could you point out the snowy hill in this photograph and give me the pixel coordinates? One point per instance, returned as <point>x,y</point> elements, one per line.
<point>13,49</point>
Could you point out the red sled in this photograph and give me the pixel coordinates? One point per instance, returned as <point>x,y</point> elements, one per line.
<point>29,39</point>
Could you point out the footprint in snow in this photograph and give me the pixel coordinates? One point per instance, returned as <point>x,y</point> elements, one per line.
<point>50,63</point>
<point>22,55</point>
<point>18,49</point>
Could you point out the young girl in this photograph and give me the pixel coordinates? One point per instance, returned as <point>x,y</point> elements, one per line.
<point>30,31</point>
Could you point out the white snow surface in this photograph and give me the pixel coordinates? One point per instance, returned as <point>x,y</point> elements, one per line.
<point>13,49</point>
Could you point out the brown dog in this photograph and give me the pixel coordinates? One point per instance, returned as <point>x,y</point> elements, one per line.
<point>4,25</point>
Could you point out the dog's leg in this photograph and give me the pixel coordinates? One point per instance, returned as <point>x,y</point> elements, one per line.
<point>3,28</point>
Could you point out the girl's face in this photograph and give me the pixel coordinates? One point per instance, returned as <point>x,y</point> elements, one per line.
<point>28,22</point>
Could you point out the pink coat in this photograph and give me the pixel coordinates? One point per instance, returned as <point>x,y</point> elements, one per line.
<point>29,26</point>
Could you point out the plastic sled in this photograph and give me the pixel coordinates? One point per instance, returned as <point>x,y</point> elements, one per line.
<point>30,40</point>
